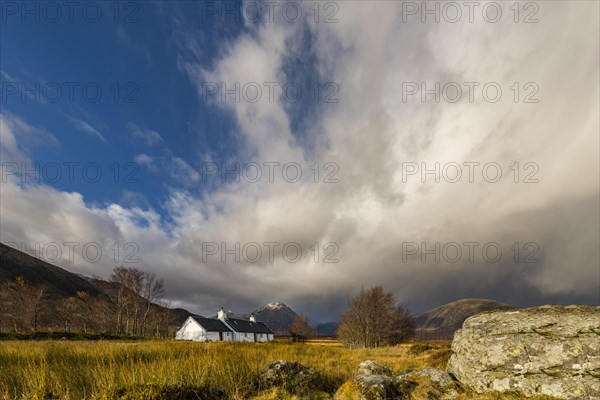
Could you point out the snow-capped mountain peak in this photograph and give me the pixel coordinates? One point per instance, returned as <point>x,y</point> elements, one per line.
<point>275,306</point>
<point>277,316</point>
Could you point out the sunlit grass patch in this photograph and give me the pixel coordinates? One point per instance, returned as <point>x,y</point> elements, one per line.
<point>170,370</point>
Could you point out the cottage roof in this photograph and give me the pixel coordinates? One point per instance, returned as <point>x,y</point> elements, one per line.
<point>242,325</point>
<point>211,324</point>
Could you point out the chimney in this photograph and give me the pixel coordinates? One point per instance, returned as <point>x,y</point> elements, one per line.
<point>252,318</point>
<point>222,315</point>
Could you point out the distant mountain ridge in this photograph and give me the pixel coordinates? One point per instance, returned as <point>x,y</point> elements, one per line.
<point>449,317</point>
<point>327,328</point>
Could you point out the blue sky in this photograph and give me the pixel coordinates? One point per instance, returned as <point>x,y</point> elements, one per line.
<point>135,64</point>
<point>361,136</point>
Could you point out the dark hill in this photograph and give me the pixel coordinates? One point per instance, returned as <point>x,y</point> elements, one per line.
<point>277,316</point>
<point>327,329</point>
<point>59,284</point>
<point>448,318</point>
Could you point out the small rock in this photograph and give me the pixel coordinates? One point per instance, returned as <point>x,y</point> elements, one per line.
<point>383,387</point>
<point>437,384</point>
<point>374,381</point>
<point>370,367</point>
<point>291,376</point>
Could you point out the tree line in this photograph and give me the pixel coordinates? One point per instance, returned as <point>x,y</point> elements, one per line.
<point>131,302</point>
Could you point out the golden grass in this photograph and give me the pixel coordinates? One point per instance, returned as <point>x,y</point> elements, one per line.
<point>107,369</point>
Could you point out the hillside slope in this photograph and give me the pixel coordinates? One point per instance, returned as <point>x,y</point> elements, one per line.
<point>60,284</point>
<point>450,317</point>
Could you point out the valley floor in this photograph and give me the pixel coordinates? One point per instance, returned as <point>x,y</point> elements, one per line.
<point>184,370</point>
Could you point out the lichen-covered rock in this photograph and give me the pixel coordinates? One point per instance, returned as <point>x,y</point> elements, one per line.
<point>384,387</point>
<point>374,381</point>
<point>291,376</point>
<point>550,350</point>
<point>437,376</point>
<point>375,387</point>
<point>370,367</point>
<point>433,384</point>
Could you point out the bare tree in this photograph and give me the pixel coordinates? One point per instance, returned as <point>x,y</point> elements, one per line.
<point>153,290</point>
<point>136,285</point>
<point>101,314</point>
<point>163,320</point>
<point>121,278</point>
<point>301,329</point>
<point>403,327</point>
<point>66,309</point>
<point>372,319</point>
<point>9,313</point>
<point>28,299</point>
<point>136,293</point>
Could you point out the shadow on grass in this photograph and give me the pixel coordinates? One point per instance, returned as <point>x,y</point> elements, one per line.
<point>159,392</point>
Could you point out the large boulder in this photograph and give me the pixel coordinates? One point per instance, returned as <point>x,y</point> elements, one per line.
<point>374,381</point>
<point>550,350</point>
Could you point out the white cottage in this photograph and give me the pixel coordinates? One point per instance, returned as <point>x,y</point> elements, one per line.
<point>224,329</point>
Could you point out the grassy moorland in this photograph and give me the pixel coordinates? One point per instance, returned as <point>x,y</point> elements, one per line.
<point>183,370</point>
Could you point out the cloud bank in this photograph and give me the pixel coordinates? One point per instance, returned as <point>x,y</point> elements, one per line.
<point>377,139</point>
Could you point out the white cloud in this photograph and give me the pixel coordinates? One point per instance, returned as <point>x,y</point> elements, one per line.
<point>148,136</point>
<point>34,97</point>
<point>145,160</point>
<point>17,137</point>
<point>182,171</point>
<point>142,50</point>
<point>175,167</point>
<point>86,128</point>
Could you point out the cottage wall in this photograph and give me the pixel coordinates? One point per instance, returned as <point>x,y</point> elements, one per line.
<point>244,337</point>
<point>249,337</point>
<point>191,331</point>
<point>262,337</point>
<point>213,336</point>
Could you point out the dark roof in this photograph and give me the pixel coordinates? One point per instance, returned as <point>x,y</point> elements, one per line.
<point>242,325</point>
<point>211,324</point>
